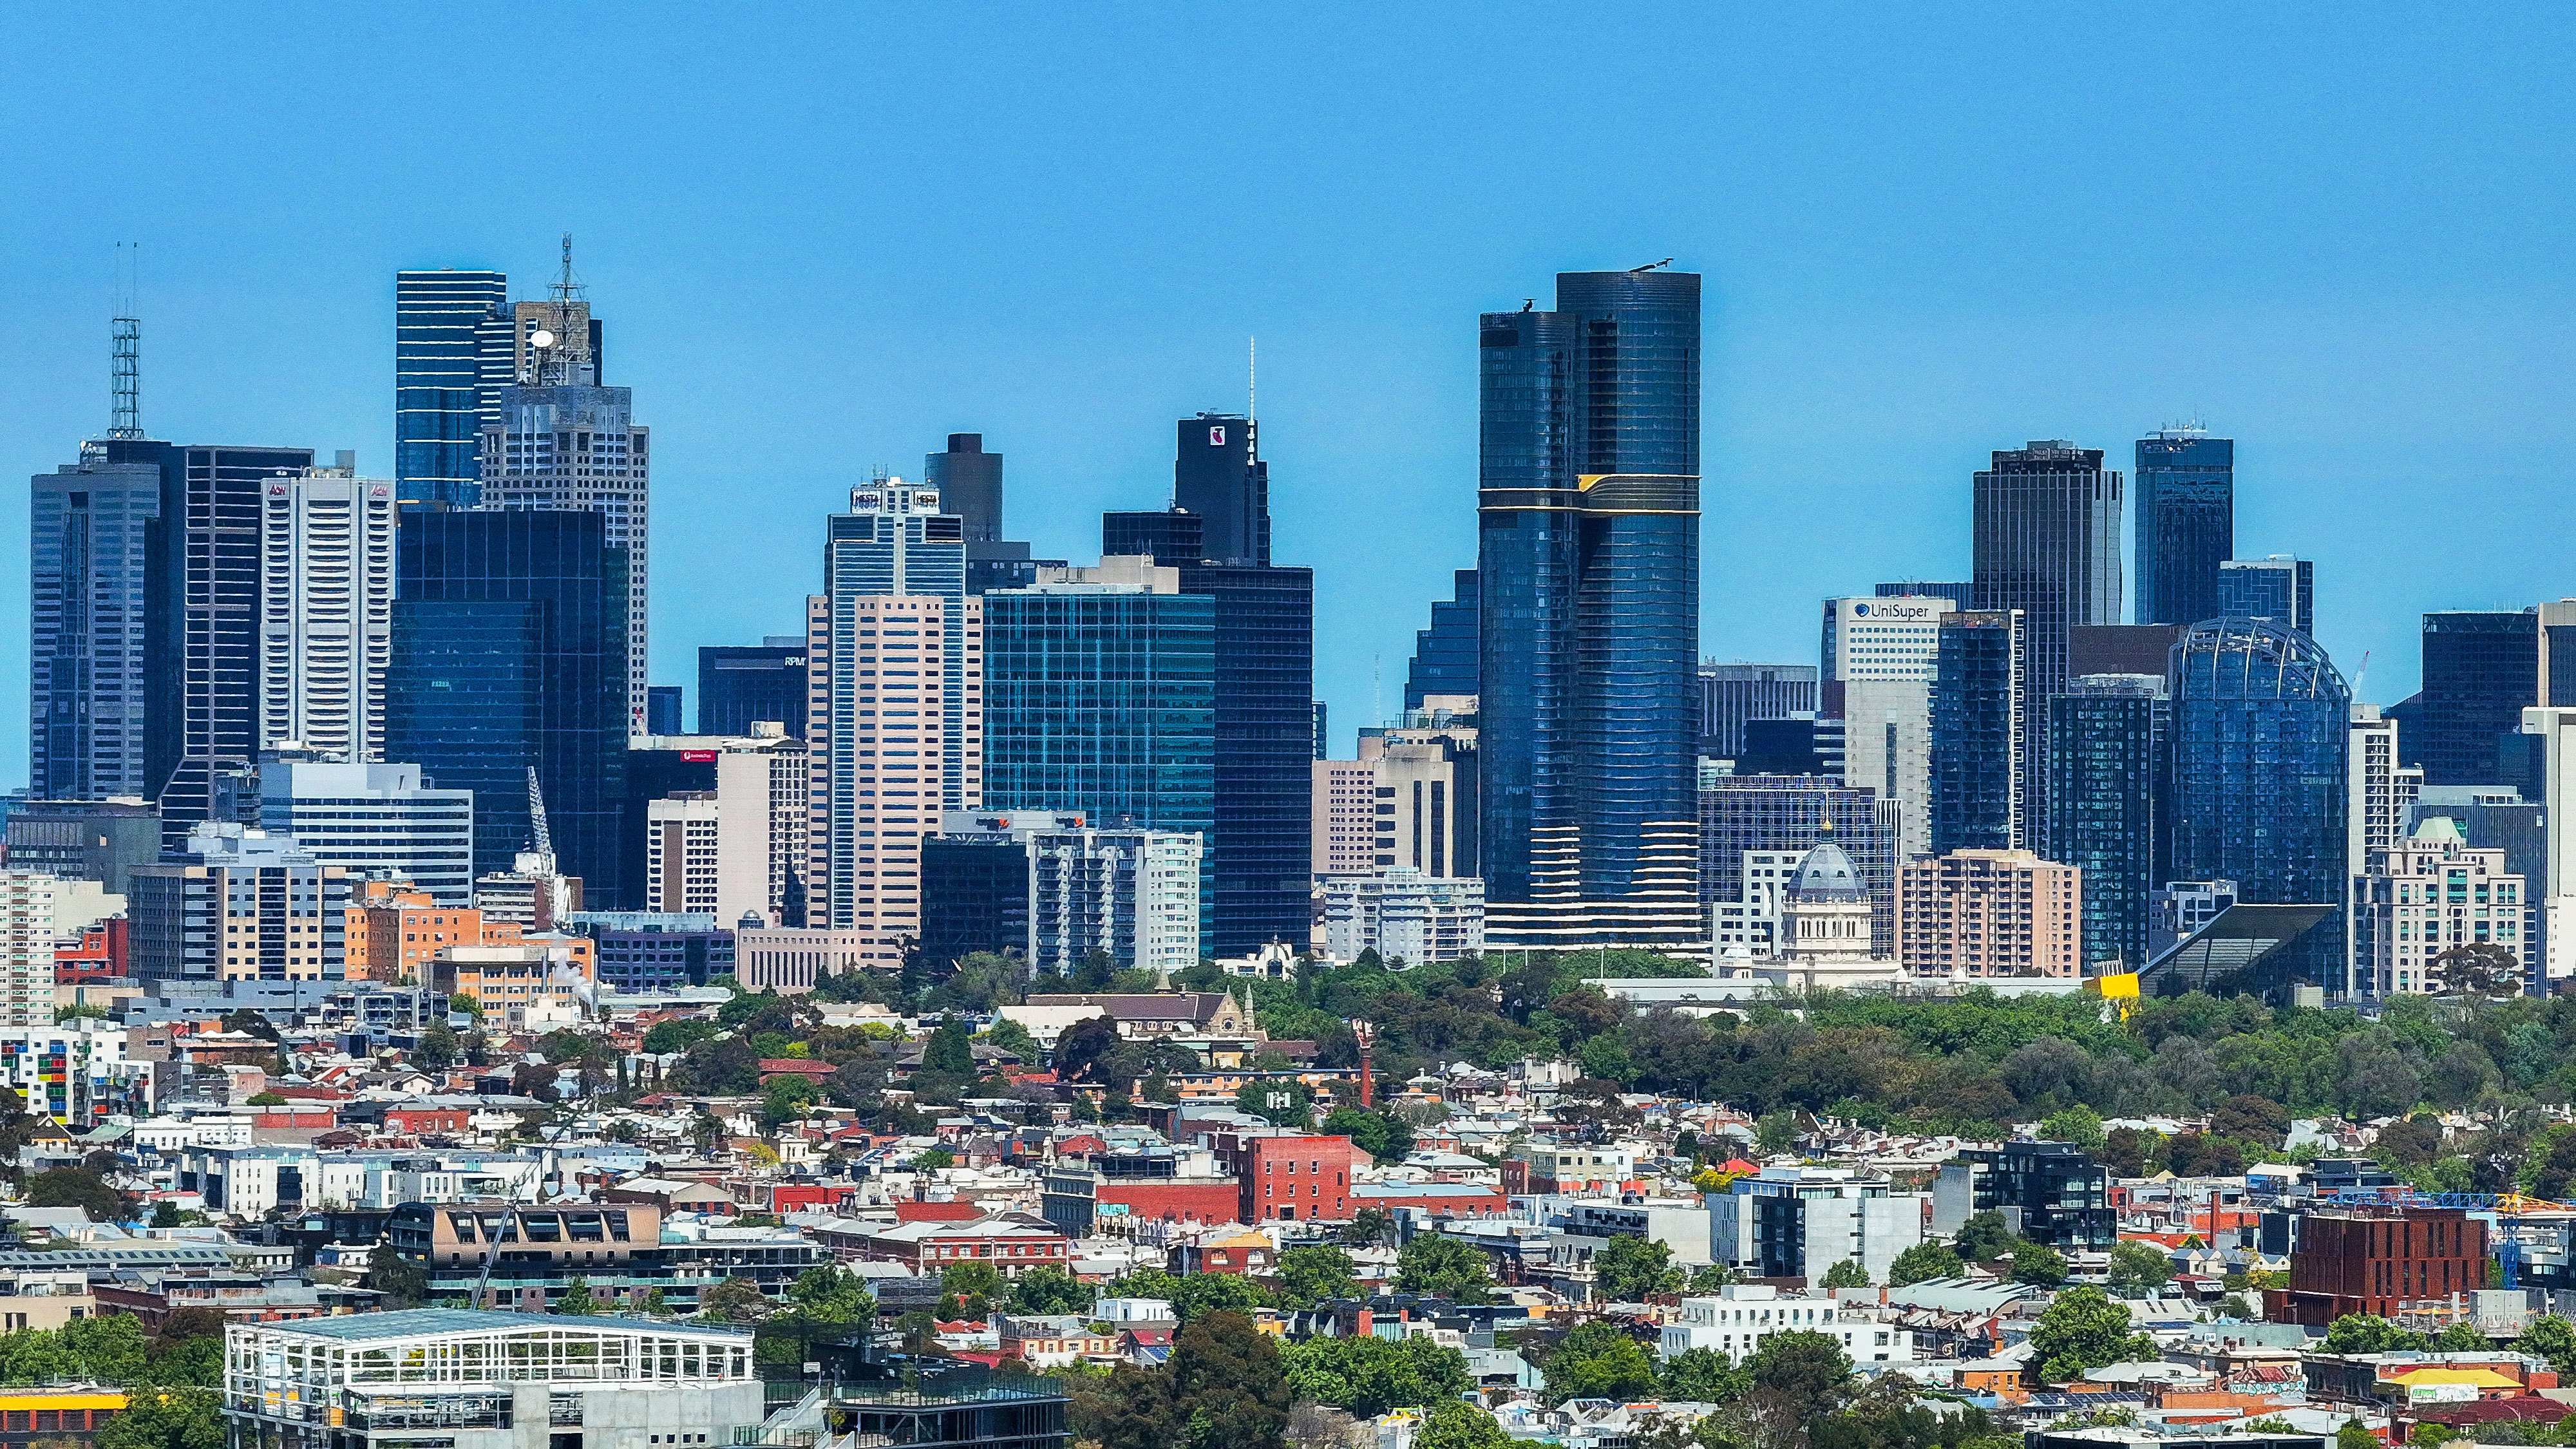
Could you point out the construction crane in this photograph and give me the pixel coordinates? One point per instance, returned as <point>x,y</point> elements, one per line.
<point>543,842</point>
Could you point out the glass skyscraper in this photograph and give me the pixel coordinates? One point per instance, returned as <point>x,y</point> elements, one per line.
<point>453,342</point>
<point>2276,588</point>
<point>1444,655</point>
<point>509,654</point>
<point>1588,572</point>
<point>1217,473</point>
<point>2260,770</point>
<point>87,643</point>
<point>2186,488</point>
<point>1977,733</point>
<point>2108,738</point>
<point>740,684</point>
<point>2481,670</point>
<point>2047,542</point>
<point>1738,813</point>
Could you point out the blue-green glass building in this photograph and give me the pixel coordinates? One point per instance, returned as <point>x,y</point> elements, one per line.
<point>454,346</point>
<point>2186,500</point>
<point>1976,736</point>
<point>2259,771</point>
<point>2109,746</point>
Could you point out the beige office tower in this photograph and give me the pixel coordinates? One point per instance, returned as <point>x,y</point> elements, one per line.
<point>1878,660</point>
<point>733,851</point>
<point>1978,913</point>
<point>326,612</point>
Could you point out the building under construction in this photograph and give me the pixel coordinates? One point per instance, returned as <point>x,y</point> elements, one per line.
<point>2378,1260</point>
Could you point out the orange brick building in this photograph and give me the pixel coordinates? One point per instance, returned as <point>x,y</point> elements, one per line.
<point>1990,913</point>
<point>2374,1262</point>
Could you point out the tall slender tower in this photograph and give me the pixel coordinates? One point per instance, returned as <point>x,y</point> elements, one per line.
<point>1588,572</point>
<point>326,612</point>
<point>449,364</point>
<point>2047,542</point>
<point>2186,487</point>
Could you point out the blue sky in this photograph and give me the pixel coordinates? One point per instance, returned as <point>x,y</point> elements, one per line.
<point>823,237</point>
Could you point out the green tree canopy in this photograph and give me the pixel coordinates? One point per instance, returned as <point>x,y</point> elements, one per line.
<point>78,1187</point>
<point>1281,1101</point>
<point>1312,1275</point>
<point>2082,1330</point>
<point>2552,1338</point>
<point>1806,1371</point>
<point>2138,1267</point>
<point>2038,1265</point>
<point>1382,1135</point>
<point>2369,1333</point>
<point>1455,1424</point>
<point>831,1294</point>
<point>1846,1274</point>
<point>1630,1269</point>
<point>1703,1376</point>
<point>1599,1361</point>
<point>1442,1267</point>
<point>1369,1375</point>
<point>1047,1289</point>
<point>1226,1387</point>
<point>1923,1262</point>
<point>2079,1125</point>
<point>575,1300</point>
<point>1983,1238</point>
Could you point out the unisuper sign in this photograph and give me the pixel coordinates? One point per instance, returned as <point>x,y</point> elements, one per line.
<point>1882,609</point>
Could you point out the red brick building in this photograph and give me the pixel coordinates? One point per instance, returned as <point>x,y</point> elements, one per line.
<point>99,955</point>
<point>418,1120</point>
<point>929,1248</point>
<point>2374,1261</point>
<point>1288,1174</point>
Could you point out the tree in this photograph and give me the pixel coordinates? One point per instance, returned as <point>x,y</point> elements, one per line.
<point>2458,1337</point>
<point>1012,1037</point>
<point>1807,1371</point>
<point>831,1294</point>
<point>1201,1294</point>
<point>1284,1102</point>
<point>2550,1337</point>
<point>1983,1238</point>
<point>931,1159</point>
<point>1369,1375</point>
<point>1046,1289</point>
<point>78,1187</point>
<point>266,1099</point>
<point>436,1049</point>
<point>676,1036</point>
<point>403,1281</point>
<point>973,1278</point>
<point>2083,1330</point>
<point>1369,1228</point>
<point>1442,1267</point>
<point>2369,1333</point>
<point>1846,1274</point>
<point>1703,1376</point>
<point>1632,1269</point>
<point>735,1300</point>
<point>951,1049</point>
<point>575,1301</point>
<point>1228,1386</point>
<point>2038,1265</point>
<point>2355,1435</point>
<point>2079,1125</point>
<point>1308,1276</point>
<point>1599,1361</point>
<point>1084,1047</point>
<point>2139,1267</point>
<point>1382,1135</point>
<point>1923,1262</point>
<point>167,1418</point>
<point>1455,1424</point>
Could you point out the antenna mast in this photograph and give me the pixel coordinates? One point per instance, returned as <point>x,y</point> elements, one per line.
<point>125,370</point>
<point>1251,376</point>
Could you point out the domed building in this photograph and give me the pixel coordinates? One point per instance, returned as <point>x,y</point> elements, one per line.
<point>1824,928</point>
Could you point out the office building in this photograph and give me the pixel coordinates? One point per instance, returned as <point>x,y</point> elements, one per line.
<point>2048,1192</point>
<point>975,882</point>
<point>87,522</point>
<point>1979,709</point>
<point>2279,588</point>
<point>2416,905</point>
<point>374,820</point>
<point>2047,542</point>
<point>1403,915</point>
<point>538,983</point>
<point>2260,763</point>
<point>1218,475</point>
<point>2493,818</point>
<point>394,929</point>
<point>1264,620</point>
<point>663,710</point>
<point>740,685</point>
<point>1984,913</point>
<point>1588,569</point>
<point>2120,648</point>
<point>451,355</point>
<point>1730,694</point>
<point>1961,595</point>
<point>2109,738</point>
<point>1801,746</point>
<point>2379,1261</point>
<point>1796,1221</point>
<point>97,840</point>
<point>733,838</point>
<point>1130,896</point>
<point>238,904</point>
<point>2555,646</point>
<point>2481,670</point>
<point>2556,727</point>
<point>2186,488</point>
<point>27,932</point>
<point>1745,816</point>
<point>1346,817</point>
<point>204,623</point>
<point>326,611</point>
<point>896,649</point>
<point>646,951</point>
<point>1444,655</point>
<point>1170,536</point>
<point>1882,653</point>
<point>969,483</point>
<point>1408,801</point>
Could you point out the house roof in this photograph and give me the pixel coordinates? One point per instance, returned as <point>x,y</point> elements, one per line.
<point>1196,1007</point>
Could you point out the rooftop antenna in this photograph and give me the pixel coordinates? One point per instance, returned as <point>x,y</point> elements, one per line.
<point>125,370</point>
<point>1650,266</point>
<point>565,288</point>
<point>1251,375</point>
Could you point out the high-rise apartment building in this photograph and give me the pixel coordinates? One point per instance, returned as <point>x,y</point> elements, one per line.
<point>2481,671</point>
<point>27,931</point>
<point>2047,542</point>
<point>1879,656</point>
<point>326,611</point>
<point>2109,738</point>
<point>717,825</point>
<point>740,685</point>
<point>1744,816</point>
<point>1346,817</point>
<point>238,904</point>
<point>373,819</point>
<point>509,656</point>
<point>2556,727</point>
<point>2260,763</point>
<point>1980,913</point>
<point>2279,588</point>
<point>203,625</point>
<point>1444,655</point>
<point>2417,906</point>
<point>1217,474</point>
<point>2379,794</point>
<point>2186,489</point>
<point>452,336</point>
<point>1588,570</point>
<point>1731,694</point>
<point>1128,894</point>
<point>1403,915</point>
<point>896,649</point>
<point>1979,711</point>
<point>87,642</point>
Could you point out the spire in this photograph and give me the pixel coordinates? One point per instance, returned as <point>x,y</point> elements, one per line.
<point>125,368</point>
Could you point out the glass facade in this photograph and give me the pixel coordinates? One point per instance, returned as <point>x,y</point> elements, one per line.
<point>2108,738</point>
<point>2047,541</point>
<point>452,335</point>
<point>510,654</point>
<point>87,646</point>
<point>1261,878</point>
<point>2280,589</point>
<point>1740,813</point>
<point>1170,536</point>
<point>1976,776</point>
<point>740,684</point>
<point>2259,770</point>
<point>1588,569</point>
<point>1444,655</point>
<point>2480,671</point>
<point>1963,595</point>
<point>1732,694</point>
<point>2186,487</point>
<point>1217,474</point>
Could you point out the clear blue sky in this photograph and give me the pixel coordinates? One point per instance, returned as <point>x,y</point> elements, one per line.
<point>825,236</point>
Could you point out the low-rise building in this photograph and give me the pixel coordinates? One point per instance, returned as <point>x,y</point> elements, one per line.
<point>1288,1175</point>
<point>1404,915</point>
<point>1011,1247</point>
<point>1796,1221</point>
<point>1736,1319</point>
<point>2048,1192</point>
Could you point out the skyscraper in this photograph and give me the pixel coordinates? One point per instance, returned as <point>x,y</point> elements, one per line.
<point>451,334</point>
<point>895,647</point>
<point>509,655</point>
<point>1588,570</point>
<point>739,685</point>
<point>2481,670</point>
<point>1730,695</point>
<point>326,612</point>
<point>2260,763</point>
<point>2047,542</point>
<point>2278,587</point>
<point>1218,475</point>
<point>1978,734</point>
<point>969,481</point>
<point>87,645</point>
<point>1879,656</point>
<point>2108,738</point>
<point>1785,817</point>
<point>2186,489</point>
<point>204,624</point>
<point>1444,655</point>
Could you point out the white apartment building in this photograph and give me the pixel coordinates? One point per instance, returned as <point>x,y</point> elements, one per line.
<point>1739,1317</point>
<point>372,819</point>
<point>1796,1221</point>
<point>2427,895</point>
<point>2557,727</point>
<point>1882,652</point>
<point>729,852</point>
<point>1131,894</point>
<point>326,611</point>
<point>1404,915</point>
<point>27,948</point>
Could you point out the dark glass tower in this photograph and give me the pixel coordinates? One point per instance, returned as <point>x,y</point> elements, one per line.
<point>1444,655</point>
<point>453,340</point>
<point>88,647</point>
<point>1171,536</point>
<point>740,684</point>
<point>202,620</point>
<point>1588,573</point>
<point>510,653</point>
<point>2260,767</point>
<point>2186,488</point>
<point>1218,475</point>
<point>2481,670</point>
<point>2047,542</point>
<point>969,481</point>
<point>2280,589</point>
<point>2109,737</point>
<point>1977,733</point>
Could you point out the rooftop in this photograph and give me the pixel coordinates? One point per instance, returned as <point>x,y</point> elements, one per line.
<point>443,1322</point>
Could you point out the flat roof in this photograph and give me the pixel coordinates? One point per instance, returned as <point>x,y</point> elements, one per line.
<point>425,1322</point>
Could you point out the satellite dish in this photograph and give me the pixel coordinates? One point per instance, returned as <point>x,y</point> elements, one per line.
<point>541,338</point>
